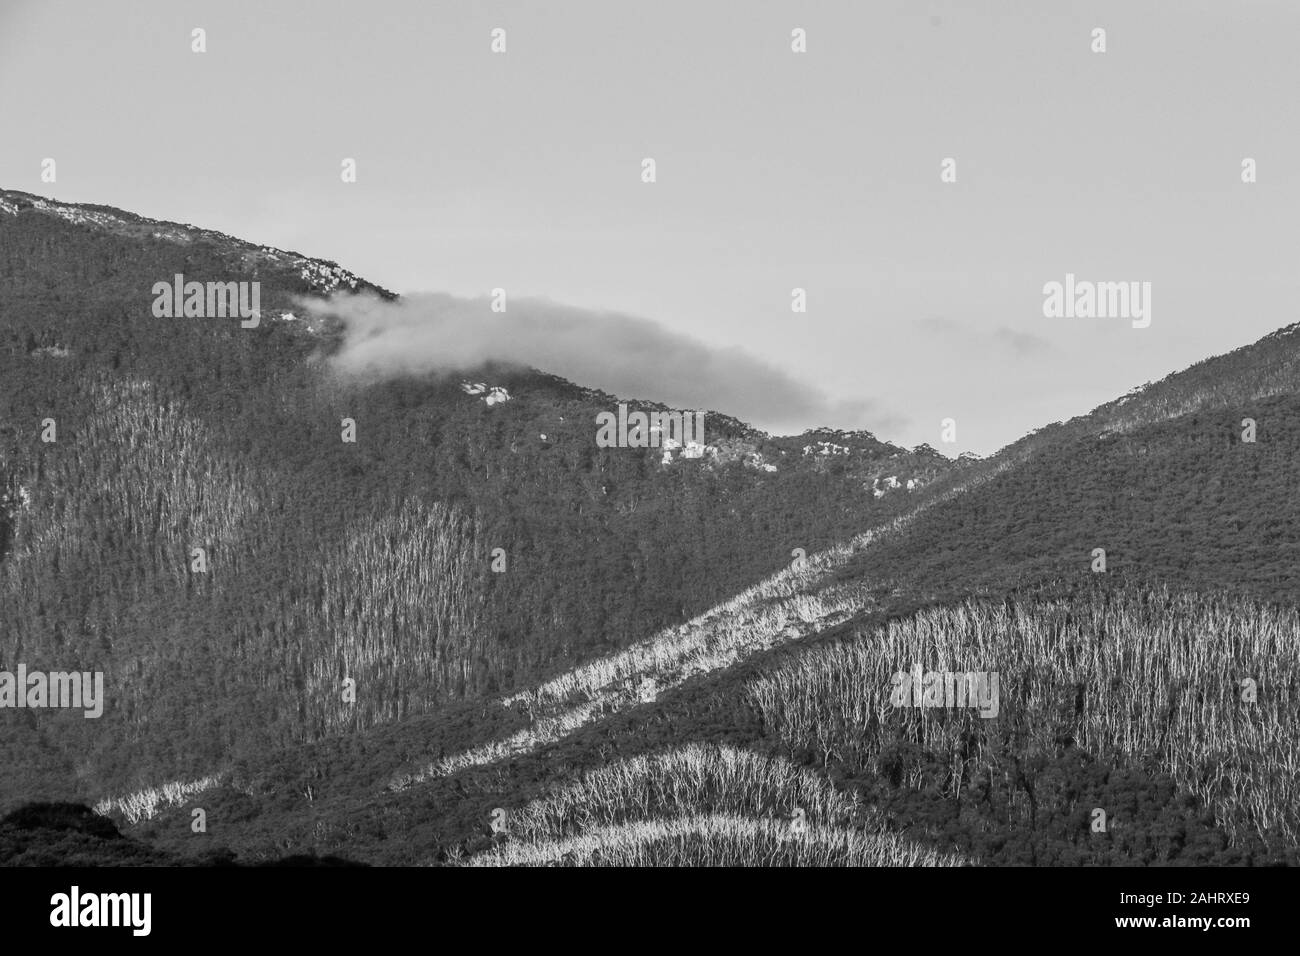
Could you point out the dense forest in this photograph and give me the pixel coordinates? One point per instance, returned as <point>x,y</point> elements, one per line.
<point>618,654</point>
<point>1121,691</point>
<point>325,561</point>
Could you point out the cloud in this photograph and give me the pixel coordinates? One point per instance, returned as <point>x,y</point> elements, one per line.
<point>625,355</point>
<point>1017,342</point>
<point>1022,343</point>
<point>938,324</point>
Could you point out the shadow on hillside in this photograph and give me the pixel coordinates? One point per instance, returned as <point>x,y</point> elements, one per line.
<point>72,834</point>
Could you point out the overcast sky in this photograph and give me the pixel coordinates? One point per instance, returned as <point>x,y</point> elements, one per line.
<point>775,170</point>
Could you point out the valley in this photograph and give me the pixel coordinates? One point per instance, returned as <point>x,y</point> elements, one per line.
<point>393,638</point>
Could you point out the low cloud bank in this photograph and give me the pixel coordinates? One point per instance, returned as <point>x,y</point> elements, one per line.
<point>627,356</point>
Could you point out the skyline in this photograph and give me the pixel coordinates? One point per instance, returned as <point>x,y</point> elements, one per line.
<point>775,170</point>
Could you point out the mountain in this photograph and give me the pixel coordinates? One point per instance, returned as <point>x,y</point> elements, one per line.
<point>683,662</point>
<point>324,560</point>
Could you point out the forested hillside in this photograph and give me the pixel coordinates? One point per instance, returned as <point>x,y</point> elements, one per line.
<point>568,654</point>
<point>127,441</point>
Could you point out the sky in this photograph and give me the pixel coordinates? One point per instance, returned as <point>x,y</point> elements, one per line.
<point>775,170</point>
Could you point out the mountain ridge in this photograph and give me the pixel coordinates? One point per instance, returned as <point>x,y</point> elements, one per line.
<point>124,223</point>
<point>638,606</point>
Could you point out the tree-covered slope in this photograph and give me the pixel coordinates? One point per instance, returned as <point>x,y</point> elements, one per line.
<point>455,548</point>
